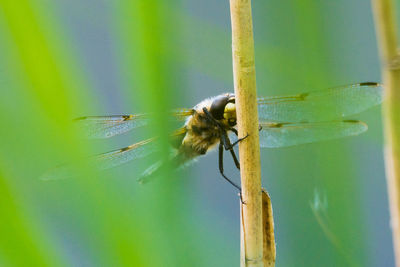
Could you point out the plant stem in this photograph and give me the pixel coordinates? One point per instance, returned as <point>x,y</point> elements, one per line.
<point>247,118</point>
<point>387,42</point>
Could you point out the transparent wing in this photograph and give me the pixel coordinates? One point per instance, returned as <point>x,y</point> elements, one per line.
<point>113,158</point>
<point>323,105</point>
<point>97,127</point>
<point>120,156</point>
<point>126,154</point>
<point>290,134</point>
<point>106,160</point>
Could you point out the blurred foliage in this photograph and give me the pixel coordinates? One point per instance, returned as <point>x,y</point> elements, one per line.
<point>63,59</point>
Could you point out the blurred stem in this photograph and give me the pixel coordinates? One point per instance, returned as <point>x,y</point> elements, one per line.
<point>247,118</point>
<point>387,42</point>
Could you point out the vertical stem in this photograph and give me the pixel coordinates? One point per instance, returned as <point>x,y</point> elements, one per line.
<point>247,117</point>
<point>387,42</point>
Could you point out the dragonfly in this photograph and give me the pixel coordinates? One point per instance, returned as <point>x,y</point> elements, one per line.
<point>284,121</point>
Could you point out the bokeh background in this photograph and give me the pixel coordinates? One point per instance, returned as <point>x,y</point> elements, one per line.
<point>63,59</point>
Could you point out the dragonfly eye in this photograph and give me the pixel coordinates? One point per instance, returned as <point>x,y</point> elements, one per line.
<point>217,108</point>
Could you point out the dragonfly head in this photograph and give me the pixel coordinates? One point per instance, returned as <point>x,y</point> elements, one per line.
<point>223,109</point>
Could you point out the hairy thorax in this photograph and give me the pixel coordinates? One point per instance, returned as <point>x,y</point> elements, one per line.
<point>201,136</point>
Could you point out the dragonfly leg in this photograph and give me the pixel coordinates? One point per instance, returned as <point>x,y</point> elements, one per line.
<point>221,166</point>
<point>226,143</point>
<point>234,131</point>
<point>240,139</point>
<point>235,159</point>
<point>221,170</point>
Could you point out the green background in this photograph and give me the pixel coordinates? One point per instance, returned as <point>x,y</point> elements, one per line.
<point>63,59</point>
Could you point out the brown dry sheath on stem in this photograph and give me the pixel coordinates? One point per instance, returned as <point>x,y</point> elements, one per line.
<point>390,60</point>
<point>269,249</point>
<point>247,121</point>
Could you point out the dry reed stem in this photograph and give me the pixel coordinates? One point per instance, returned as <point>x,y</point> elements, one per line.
<point>247,117</point>
<point>387,41</point>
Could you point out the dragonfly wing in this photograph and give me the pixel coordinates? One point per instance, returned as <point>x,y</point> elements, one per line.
<point>106,160</point>
<point>120,156</point>
<point>114,158</point>
<point>96,127</point>
<point>323,105</point>
<point>274,135</point>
